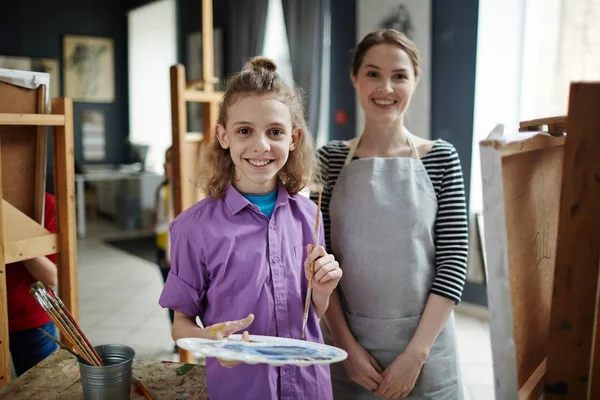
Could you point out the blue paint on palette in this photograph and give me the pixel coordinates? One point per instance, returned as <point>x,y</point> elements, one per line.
<point>282,353</point>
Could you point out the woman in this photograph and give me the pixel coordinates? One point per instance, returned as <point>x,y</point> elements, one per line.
<point>395,218</point>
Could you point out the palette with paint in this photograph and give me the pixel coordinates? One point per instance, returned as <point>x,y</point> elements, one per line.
<point>265,350</point>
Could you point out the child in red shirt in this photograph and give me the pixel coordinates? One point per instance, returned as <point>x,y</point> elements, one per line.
<point>28,346</point>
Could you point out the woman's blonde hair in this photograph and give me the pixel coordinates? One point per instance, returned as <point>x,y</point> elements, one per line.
<point>259,77</point>
<point>385,36</point>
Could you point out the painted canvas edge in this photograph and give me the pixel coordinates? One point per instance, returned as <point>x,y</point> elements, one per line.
<point>498,285</point>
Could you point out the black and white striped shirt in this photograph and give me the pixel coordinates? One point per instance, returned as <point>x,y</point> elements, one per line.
<point>451,233</point>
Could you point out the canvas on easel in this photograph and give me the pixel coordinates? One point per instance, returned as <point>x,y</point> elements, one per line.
<point>23,133</point>
<point>521,198</point>
<point>541,190</point>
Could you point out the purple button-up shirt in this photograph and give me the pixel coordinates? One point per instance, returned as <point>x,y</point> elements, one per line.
<point>229,260</point>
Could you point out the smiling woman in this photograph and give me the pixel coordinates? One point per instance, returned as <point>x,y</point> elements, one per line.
<point>395,217</point>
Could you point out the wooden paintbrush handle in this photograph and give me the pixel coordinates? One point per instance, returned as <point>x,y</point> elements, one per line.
<point>140,386</point>
<point>70,316</point>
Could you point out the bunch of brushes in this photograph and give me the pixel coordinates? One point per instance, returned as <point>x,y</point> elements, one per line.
<point>70,330</point>
<point>66,324</point>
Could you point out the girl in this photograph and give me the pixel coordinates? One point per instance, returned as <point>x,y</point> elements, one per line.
<point>394,208</point>
<point>244,263</point>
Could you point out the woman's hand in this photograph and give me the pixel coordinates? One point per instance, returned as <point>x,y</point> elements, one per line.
<point>400,377</point>
<point>361,367</point>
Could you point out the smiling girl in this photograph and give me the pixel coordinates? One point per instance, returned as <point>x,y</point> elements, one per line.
<point>238,254</point>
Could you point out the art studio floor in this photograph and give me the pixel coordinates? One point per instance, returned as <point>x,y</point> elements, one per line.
<point>118,300</point>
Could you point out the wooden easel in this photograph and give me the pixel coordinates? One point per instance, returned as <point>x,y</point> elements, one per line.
<point>23,123</point>
<point>542,212</point>
<point>188,147</point>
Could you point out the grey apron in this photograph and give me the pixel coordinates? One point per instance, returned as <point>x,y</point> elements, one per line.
<point>383,212</point>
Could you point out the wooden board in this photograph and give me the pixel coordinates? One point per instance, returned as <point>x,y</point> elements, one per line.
<point>521,199</point>
<point>64,192</point>
<point>20,149</point>
<point>531,198</point>
<point>23,237</point>
<point>577,253</point>
<point>4,349</point>
<point>58,378</point>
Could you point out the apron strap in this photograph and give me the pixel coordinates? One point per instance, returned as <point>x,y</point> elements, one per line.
<point>413,149</point>
<point>353,144</point>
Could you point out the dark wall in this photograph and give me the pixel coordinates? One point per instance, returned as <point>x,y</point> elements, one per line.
<point>454,51</point>
<point>342,98</point>
<point>35,28</point>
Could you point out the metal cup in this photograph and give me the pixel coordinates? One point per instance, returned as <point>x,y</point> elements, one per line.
<point>111,381</point>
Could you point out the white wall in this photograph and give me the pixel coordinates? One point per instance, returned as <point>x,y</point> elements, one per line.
<point>152,46</point>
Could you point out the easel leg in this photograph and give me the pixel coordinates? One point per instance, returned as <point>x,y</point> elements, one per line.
<point>80,207</point>
<point>64,182</point>
<point>4,345</point>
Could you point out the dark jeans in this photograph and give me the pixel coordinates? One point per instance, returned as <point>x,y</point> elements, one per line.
<point>30,346</point>
<point>163,265</point>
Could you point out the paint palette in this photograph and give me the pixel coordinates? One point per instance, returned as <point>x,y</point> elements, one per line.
<point>265,350</point>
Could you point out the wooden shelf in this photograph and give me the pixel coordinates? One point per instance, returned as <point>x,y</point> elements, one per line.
<point>194,137</point>
<point>23,237</point>
<point>202,97</point>
<point>32,119</point>
<point>537,142</point>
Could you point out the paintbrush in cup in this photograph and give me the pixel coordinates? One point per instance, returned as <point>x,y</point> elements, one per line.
<point>311,271</point>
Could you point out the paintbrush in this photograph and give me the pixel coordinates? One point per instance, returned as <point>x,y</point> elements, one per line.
<point>59,344</point>
<point>311,271</point>
<point>76,325</point>
<point>67,326</point>
<point>141,387</point>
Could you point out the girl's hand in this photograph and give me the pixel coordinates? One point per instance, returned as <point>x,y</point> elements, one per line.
<point>223,330</point>
<point>400,377</point>
<point>327,272</point>
<point>231,364</point>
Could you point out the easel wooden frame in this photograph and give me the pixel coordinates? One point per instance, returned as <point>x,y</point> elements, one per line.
<point>545,338</point>
<point>21,236</point>
<point>188,147</point>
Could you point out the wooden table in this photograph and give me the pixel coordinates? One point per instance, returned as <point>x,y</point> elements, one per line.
<point>57,377</point>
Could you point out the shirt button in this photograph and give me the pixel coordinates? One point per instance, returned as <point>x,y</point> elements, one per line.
<point>272,227</point>
<point>275,259</point>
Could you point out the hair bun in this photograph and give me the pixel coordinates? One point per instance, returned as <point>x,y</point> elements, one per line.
<point>260,63</point>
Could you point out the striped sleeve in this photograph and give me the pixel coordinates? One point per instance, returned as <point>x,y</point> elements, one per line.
<point>451,232</point>
<point>323,158</point>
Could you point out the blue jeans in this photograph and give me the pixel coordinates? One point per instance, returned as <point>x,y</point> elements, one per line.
<point>30,346</point>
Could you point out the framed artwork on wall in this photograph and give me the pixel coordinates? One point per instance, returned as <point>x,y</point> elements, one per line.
<point>89,69</point>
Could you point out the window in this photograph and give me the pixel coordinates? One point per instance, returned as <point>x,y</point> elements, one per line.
<point>528,53</point>
<point>152,47</point>
<point>276,46</point>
